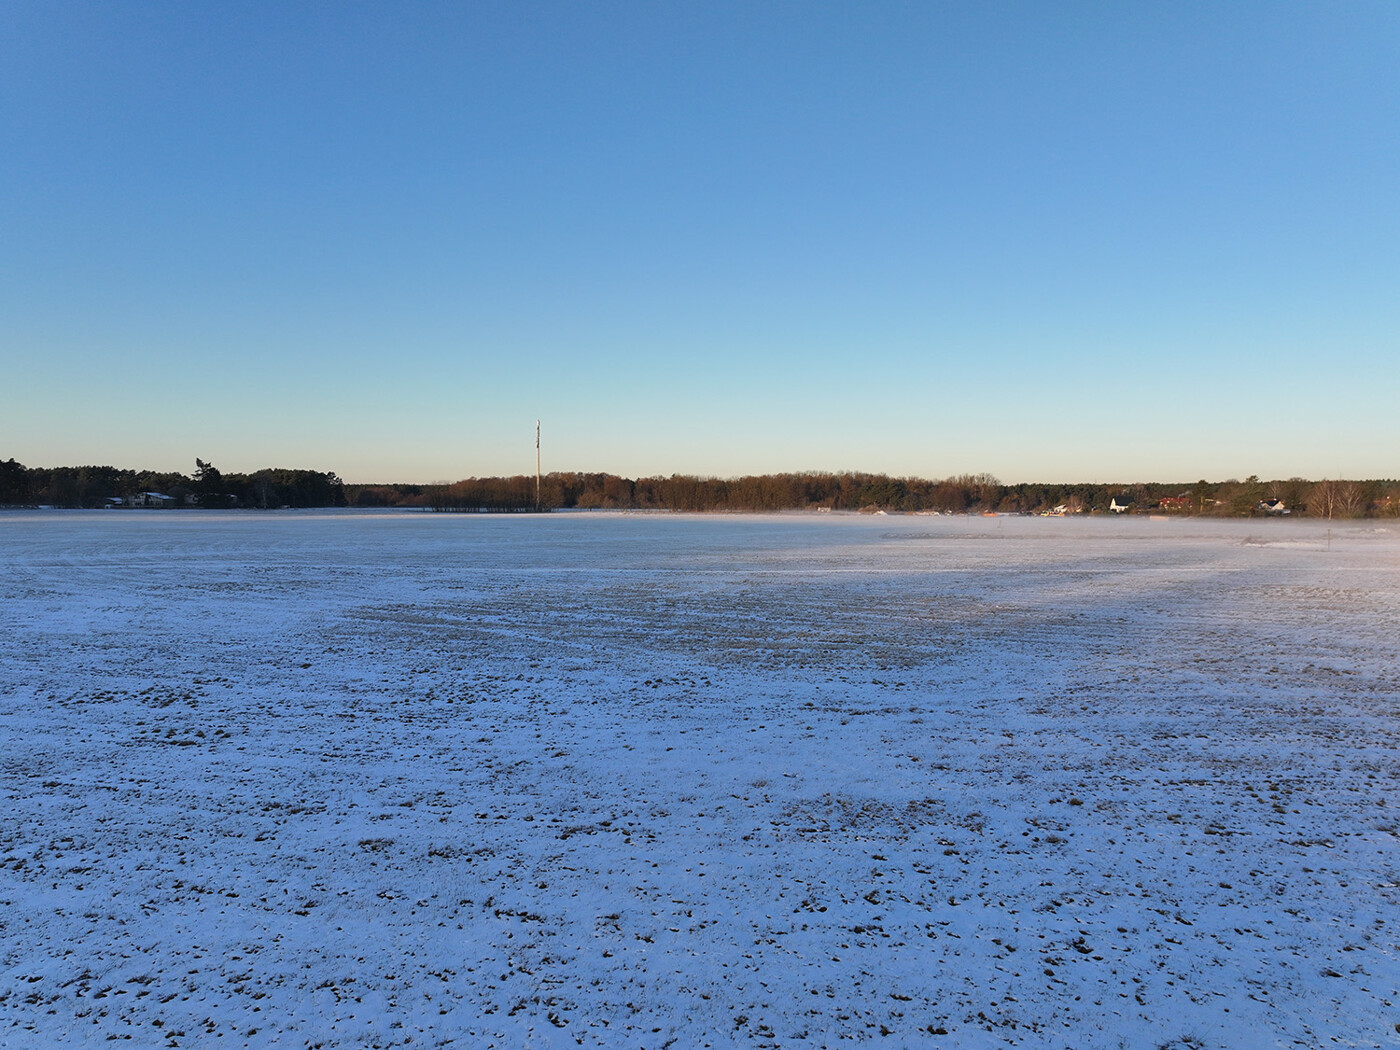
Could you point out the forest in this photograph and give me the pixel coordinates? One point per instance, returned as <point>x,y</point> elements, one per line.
<point>207,487</point>
<point>960,494</point>
<point>277,487</point>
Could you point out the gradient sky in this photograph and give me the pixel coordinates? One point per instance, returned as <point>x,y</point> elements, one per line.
<point>1068,241</point>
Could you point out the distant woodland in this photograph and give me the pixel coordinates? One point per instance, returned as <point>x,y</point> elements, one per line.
<point>276,487</point>
<point>207,487</point>
<point>962,494</point>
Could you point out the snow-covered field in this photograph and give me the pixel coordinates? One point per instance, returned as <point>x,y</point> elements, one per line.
<point>353,780</point>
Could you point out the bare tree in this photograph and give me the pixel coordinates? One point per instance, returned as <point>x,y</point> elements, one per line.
<point>1351,499</point>
<point>1322,499</point>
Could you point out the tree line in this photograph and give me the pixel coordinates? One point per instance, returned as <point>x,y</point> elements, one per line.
<point>851,491</point>
<point>272,487</point>
<point>207,487</point>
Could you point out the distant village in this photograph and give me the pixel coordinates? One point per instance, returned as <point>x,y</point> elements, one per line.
<point>275,487</point>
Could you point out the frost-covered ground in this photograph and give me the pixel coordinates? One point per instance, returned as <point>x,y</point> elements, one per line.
<point>352,780</point>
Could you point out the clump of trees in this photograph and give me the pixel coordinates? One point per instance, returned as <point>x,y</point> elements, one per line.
<point>1350,499</point>
<point>208,487</point>
<point>391,495</point>
<point>287,487</point>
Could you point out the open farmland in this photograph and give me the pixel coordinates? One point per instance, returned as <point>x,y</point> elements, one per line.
<point>350,780</point>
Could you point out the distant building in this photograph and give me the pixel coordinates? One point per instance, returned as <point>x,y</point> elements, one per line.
<point>151,499</point>
<point>1272,506</point>
<point>1120,504</point>
<point>1178,503</point>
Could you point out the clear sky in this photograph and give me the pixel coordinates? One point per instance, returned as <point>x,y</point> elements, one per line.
<point>1050,241</point>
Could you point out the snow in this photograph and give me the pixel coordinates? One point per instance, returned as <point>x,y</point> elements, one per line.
<point>387,779</point>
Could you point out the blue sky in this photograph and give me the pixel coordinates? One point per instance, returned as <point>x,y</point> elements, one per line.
<point>1073,241</point>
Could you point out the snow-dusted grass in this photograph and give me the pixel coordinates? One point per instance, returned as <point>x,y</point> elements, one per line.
<point>640,781</point>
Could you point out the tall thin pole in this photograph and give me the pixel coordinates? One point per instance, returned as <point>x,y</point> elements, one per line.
<point>537,465</point>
